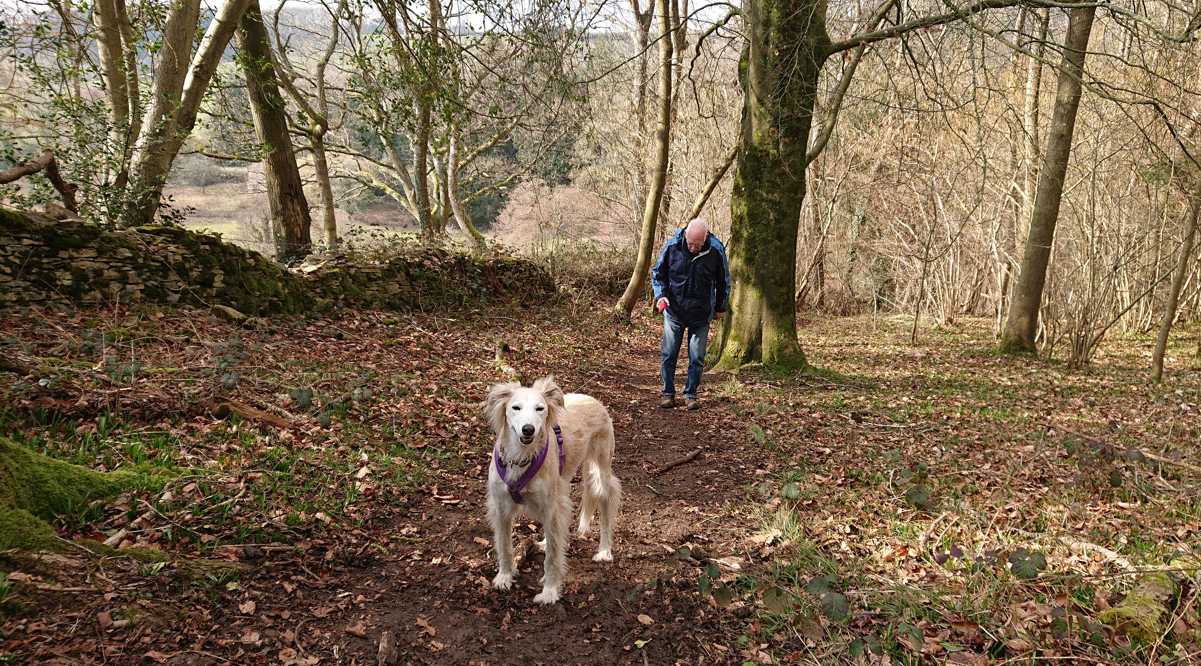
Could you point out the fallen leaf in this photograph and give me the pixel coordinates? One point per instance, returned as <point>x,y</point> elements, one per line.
<point>425,625</point>
<point>645,619</point>
<point>247,607</point>
<point>105,619</point>
<point>357,629</point>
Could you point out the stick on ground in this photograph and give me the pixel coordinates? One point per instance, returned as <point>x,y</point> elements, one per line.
<point>676,463</point>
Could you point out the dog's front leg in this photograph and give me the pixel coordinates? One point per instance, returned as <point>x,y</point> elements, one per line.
<point>500,514</point>
<point>554,567</point>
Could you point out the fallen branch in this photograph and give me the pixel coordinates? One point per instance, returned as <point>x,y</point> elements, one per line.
<point>676,463</point>
<point>224,408</point>
<point>1150,456</point>
<point>46,162</point>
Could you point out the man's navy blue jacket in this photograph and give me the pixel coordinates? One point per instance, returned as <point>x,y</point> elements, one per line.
<point>696,285</point>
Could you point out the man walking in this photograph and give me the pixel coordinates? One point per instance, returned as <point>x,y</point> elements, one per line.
<point>692,288</point>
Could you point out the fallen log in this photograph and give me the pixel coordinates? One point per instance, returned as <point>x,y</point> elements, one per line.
<point>222,409</point>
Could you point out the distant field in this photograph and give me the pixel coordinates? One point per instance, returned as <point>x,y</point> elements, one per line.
<point>229,210</point>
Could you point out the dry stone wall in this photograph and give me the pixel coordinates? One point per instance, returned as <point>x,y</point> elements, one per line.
<point>47,260</point>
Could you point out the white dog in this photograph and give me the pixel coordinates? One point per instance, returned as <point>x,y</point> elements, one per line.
<point>542,438</point>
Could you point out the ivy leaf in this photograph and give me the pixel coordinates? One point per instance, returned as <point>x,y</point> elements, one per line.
<point>835,606</point>
<point>919,497</point>
<point>1026,564</point>
<point>820,585</point>
<point>723,595</point>
<point>776,600</point>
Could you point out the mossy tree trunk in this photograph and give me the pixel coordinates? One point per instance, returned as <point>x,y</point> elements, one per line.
<point>779,73</point>
<point>34,488</point>
<point>290,218</point>
<point>1021,327</point>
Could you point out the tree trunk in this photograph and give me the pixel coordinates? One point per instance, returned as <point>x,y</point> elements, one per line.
<point>642,22</point>
<point>111,55</point>
<point>462,218</point>
<point>285,192</point>
<point>1022,324</point>
<point>779,73</point>
<point>650,211</point>
<point>149,165</point>
<point>1030,106</point>
<point>1182,264</point>
<point>329,221</point>
<point>175,100</point>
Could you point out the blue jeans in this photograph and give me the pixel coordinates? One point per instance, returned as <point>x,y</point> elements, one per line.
<point>673,335</point>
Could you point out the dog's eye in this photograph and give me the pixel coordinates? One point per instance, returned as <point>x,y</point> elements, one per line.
<point>539,408</point>
<point>516,407</point>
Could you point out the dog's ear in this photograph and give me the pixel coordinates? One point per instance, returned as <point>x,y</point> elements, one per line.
<point>494,405</point>
<point>553,394</point>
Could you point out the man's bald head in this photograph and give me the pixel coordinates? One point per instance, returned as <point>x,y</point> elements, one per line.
<point>695,234</point>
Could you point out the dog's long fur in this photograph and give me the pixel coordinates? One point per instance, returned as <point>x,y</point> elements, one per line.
<point>587,438</point>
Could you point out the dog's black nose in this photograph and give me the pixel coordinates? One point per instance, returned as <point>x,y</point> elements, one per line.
<point>527,430</point>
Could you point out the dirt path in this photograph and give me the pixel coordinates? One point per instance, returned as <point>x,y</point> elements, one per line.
<point>429,587</point>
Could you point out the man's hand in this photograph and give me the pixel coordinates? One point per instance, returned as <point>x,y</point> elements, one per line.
<point>661,304</point>
<point>717,316</point>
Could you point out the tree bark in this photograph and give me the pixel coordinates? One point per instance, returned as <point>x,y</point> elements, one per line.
<point>654,196</point>
<point>45,161</point>
<point>318,116</point>
<point>329,220</point>
<point>285,192</point>
<point>779,71</point>
<point>1182,264</point>
<point>1030,106</point>
<point>714,180</point>
<point>462,218</point>
<point>175,100</point>
<point>1022,325</point>
<point>111,54</point>
<point>642,22</point>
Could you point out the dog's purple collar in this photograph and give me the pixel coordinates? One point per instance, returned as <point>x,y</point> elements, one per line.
<point>515,487</point>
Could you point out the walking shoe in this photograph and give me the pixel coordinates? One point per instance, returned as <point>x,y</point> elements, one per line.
<point>692,404</point>
<point>667,402</point>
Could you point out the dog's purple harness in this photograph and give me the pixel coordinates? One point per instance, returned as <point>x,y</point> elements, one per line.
<point>515,487</point>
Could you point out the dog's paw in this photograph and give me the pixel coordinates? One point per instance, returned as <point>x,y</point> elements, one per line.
<point>548,595</point>
<point>541,545</point>
<point>503,581</point>
<point>603,556</point>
